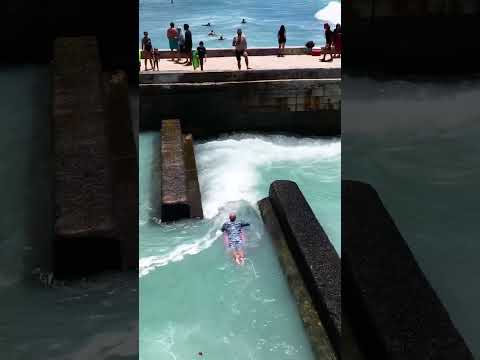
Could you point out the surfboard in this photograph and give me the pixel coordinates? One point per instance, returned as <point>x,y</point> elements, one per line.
<point>195,59</point>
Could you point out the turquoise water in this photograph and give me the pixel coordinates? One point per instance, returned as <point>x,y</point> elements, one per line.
<point>192,297</point>
<point>94,319</point>
<point>263,20</point>
<point>417,144</point>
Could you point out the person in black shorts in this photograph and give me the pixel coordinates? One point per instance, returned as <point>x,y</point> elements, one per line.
<point>188,44</point>
<point>240,43</point>
<point>282,40</point>
<point>147,50</point>
<point>328,42</point>
<point>202,54</point>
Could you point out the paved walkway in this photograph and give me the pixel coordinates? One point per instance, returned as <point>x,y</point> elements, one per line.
<point>255,62</point>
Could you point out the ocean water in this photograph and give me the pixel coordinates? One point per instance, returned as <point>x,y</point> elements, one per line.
<point>417,144</point>
<point>192,297</point>
<point>74,321</point>
<point>263,20</point>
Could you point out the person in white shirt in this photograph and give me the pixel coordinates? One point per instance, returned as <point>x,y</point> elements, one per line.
<point>240,43</point>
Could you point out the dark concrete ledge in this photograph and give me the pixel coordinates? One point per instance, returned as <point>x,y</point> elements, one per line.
<point>125,167</point>
<point>315,256</point>
<point>169,77</point>
<point>394,310</point>
<point>193,187</point>
<point>81,148</point>
<point>311,321</point>
<point>174,199</point>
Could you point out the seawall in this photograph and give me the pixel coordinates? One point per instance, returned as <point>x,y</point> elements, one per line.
<point>312,251</point>
<point>305,106</point>
<point>394,311</point>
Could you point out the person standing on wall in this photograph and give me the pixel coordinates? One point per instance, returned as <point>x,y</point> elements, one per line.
<point>172,40</point>
<point>337,40</point>
<point>240,43</point>
<point>188,44</point>
<point>181,45</point>
<point>147,49</point>
<point>282,40</point>
<point>328,42</point>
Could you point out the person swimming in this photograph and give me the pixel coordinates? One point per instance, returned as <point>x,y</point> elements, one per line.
<point>221,37</point>
<point>244,21</point>
<point>234,238</point>
<point>207,24</point>
<point>212,33</point>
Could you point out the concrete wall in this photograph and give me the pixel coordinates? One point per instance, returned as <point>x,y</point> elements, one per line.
<point>171,77</point>
<point>314,254</point>
<point>394,311</point>
<point>306,107</point>
<point>226,52</point>
<point>96,172</point>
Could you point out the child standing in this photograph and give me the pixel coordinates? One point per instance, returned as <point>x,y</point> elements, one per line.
<point>156,59</point>
<point>202,54</point>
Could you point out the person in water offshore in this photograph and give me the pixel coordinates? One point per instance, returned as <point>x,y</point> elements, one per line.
<point>234,238</point>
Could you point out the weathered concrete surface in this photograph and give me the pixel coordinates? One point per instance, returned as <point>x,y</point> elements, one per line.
<point>174,198</point>
<point>83,186</point>
<point>214,75</point>
<point>313,326</point>
<point>125,167</point>
<point>83,173</point>
<point>226,76</point>
<point>315,256</point>
<point>304,107</point>
<point>395,312</point>
<point>193,187</point>
<point>230,52</point>
<point>293,63</point>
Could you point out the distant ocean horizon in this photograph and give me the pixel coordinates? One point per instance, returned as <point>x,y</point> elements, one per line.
<point>303,20</point>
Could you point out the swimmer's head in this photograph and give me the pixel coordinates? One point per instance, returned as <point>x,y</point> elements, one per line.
<point>232,216</point>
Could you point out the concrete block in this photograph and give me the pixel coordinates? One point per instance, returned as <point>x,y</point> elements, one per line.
<point>84,224</point>
<point>193,187</point>
<point>313,252</point>
<point>124,160</point>
<point>393,308</point>
<point>312,323</point>
<point>174,199</point>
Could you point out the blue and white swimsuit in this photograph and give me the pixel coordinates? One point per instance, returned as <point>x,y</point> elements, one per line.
<point>233,230</point>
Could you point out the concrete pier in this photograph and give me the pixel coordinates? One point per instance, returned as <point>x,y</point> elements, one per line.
<point>314,255</point>
<point>84,224</point>
<point>312,323</point>
<point>174,198</point>
<point>394,311</point>
<point>125,167</point>
<point>193,187</point>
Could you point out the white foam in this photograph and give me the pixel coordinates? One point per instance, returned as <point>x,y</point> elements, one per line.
<point>228,169</point>
<point>332,13</point>
<point>150,263</point>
